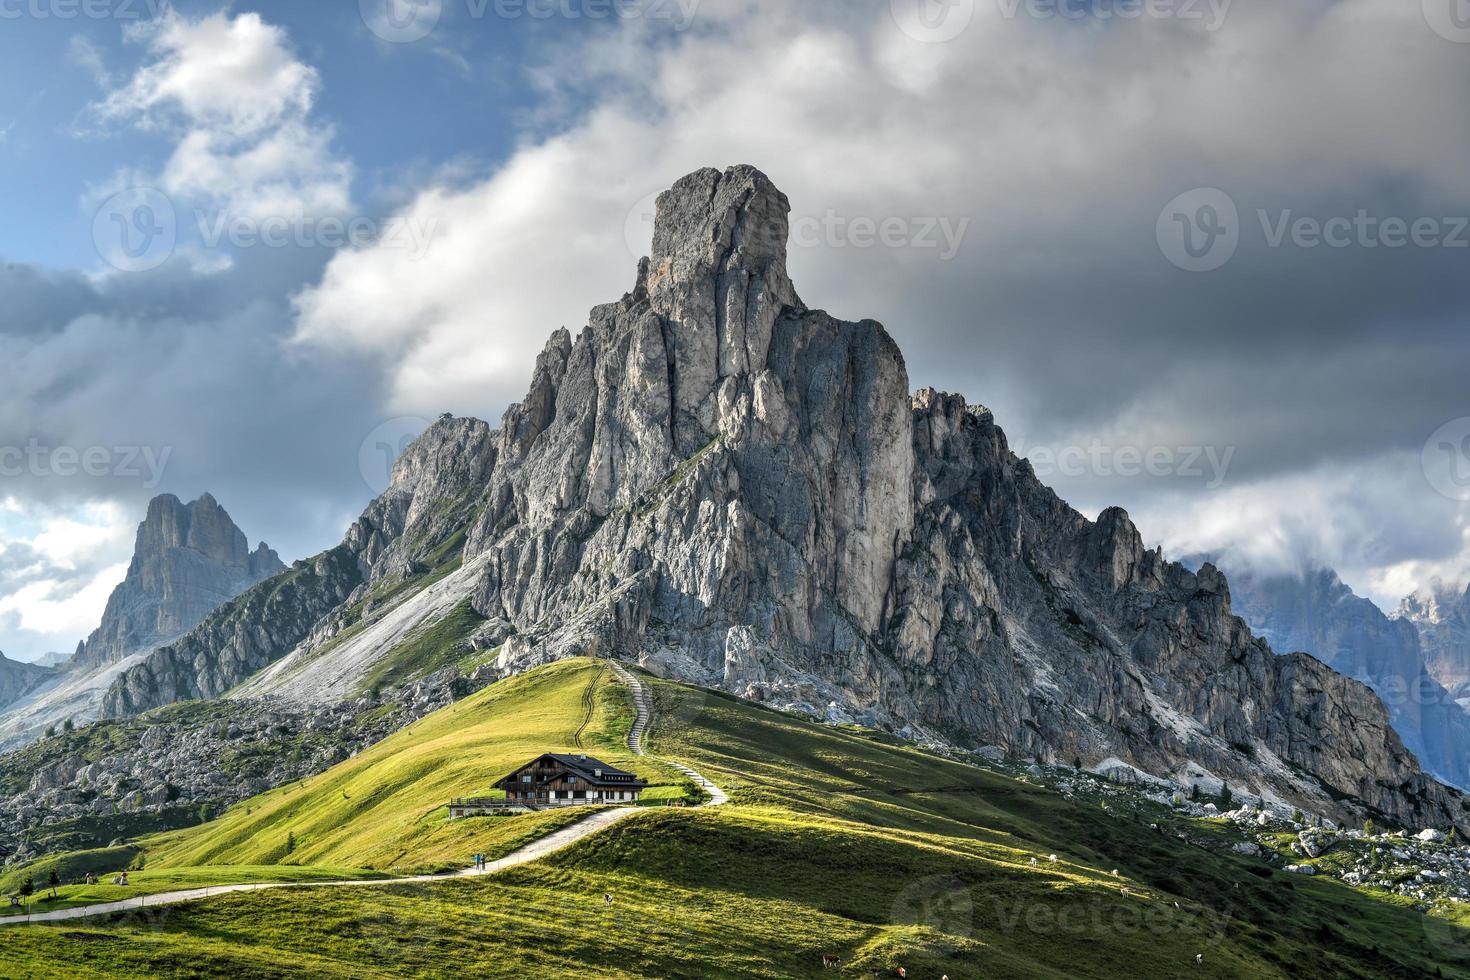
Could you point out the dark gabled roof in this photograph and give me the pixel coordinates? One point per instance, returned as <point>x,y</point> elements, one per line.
<point>585,764</point>
<point>584,767</point>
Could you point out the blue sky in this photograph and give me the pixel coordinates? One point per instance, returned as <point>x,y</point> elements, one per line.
<point>1291,380</point>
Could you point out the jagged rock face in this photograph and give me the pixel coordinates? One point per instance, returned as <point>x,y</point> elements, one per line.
<point>239,638</point>
<point>1317,613</point>
<point>19,679</point>
<point>708,454</point>
<point>1442,617</point>
<point>188,561</point>
<point>734,489</point>
<point>432,498</point>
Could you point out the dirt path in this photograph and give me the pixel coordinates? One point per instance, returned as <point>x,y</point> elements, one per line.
<point>534,851</point>
<point>643,702</point>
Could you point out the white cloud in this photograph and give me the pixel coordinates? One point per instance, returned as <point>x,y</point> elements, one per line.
<point>1061,142</point>
<point>57,570</point>
<point>239,103</point>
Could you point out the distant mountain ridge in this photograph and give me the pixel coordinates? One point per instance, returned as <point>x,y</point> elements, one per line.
<point>188,559</point>
<point>729,487</point>
<point>1315,612</point>
<point>1441,614</point>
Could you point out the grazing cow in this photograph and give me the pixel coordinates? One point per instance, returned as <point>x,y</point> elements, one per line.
<point>902,972</point>
<point>829,960</point>
<point>1199,959</point>
<point>1052,858</point>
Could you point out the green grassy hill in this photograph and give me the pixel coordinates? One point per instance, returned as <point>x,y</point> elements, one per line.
<point>836,841</point>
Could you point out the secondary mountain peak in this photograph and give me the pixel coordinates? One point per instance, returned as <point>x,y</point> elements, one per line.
<point>187,560</point>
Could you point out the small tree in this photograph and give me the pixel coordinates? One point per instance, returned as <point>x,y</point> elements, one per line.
<point>68,725</point>
<point>1296,816</point>
<point>52,881</point>
<point>1225,796</point>
<point>1368,827</point>
<point>204,813</point>
<point>51,731</point>
<point>27,887</point>
<point>290,841</point>
<point>1194,793</point>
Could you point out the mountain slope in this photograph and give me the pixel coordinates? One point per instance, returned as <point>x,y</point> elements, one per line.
<point>405,541</point>
<point>19,679</point>
<point>1317,613</point>
<point>835,842</point>
<point>727,486</point>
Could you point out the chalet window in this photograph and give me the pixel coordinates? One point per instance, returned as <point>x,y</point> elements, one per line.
<point>526,778</point>
<point>571,779</point>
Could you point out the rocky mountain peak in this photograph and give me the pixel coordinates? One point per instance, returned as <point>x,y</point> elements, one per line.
<point>188,559</point>
<point>728,487</point>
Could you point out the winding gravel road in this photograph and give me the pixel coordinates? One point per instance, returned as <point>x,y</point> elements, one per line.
<point>533,851</point>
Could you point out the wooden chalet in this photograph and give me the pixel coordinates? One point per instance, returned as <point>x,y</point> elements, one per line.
<point>555,779</point>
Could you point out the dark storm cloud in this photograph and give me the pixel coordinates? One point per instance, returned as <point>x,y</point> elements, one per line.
<point>182,383</point>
